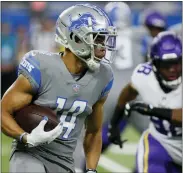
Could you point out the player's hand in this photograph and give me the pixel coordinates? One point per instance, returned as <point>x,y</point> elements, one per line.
<point>39,136</point>
<point>114,136</point>
<point>140,107</point>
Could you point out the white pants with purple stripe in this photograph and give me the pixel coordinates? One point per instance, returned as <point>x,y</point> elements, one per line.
<point>152,157</point>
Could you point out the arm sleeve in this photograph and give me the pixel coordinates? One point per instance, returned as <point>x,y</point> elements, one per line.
<point>107,89</point>
<point>30,68</point>
<point>140,76</point>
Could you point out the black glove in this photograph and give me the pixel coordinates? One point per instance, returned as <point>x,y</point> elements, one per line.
<point>114,136</point>
<point>148,110</point>
<point>113,129</point>
<point>140,107</point>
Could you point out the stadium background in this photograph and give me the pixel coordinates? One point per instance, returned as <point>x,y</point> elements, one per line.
<point>22,24</point>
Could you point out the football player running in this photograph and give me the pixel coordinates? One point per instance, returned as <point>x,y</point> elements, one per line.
<point>160,86</point>
<point>75,84</point>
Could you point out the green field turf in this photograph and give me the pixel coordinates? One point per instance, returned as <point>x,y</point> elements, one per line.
<point>121,159</point>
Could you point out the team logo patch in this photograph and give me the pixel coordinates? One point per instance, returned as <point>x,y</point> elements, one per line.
<point>81,21</point>
<point>76,88</point>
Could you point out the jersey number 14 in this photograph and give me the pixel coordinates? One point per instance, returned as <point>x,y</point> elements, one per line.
<point>77,107</point>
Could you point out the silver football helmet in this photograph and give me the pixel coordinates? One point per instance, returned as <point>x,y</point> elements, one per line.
<point>77,29</point>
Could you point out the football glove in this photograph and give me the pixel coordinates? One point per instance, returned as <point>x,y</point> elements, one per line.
<point>38,136</point>
<point>148,110</point>
<point>140,107</point>
<point>114,136</point>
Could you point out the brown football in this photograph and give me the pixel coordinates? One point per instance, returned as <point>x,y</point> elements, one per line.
<point>30,116</point>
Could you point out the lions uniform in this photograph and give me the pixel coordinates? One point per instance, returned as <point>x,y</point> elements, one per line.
<point>161,144</point>
<point>71,99</point>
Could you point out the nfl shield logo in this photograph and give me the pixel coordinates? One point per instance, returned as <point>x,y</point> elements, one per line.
<point>76,88</point>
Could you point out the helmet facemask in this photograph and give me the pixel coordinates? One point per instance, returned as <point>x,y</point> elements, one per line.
<point>92,40</point>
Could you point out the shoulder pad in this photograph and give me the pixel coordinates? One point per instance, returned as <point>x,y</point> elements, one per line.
<point>140,74</point>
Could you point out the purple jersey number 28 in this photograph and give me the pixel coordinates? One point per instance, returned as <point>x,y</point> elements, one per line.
<point>145,69</point>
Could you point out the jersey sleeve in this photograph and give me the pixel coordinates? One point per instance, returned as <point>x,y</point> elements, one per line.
<point>107,81</point>
<point>139,76</point>
<point>107,88</point>
<point>29,67</point>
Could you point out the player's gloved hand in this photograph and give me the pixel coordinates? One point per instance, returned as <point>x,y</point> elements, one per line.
<point>91,171</point>
<point>114,136</point>
<point>39,136</point>
<point>140,107</point>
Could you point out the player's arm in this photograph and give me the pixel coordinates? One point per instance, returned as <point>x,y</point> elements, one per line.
<point>16,97</point>
<point>174,115</point>
<point>93,135</point>
<point>177,116</point>
<point>127,94</point>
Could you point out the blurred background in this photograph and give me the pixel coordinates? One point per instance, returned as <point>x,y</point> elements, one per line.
<point>30,25</point>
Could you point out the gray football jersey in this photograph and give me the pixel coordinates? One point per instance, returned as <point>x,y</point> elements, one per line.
<point>72,101</point>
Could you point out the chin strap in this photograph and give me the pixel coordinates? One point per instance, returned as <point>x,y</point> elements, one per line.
<point>172,84</point>
<point>168,84</point>
<point>91,63</point>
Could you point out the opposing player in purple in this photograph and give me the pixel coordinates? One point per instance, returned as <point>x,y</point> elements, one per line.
<point>159,83</point>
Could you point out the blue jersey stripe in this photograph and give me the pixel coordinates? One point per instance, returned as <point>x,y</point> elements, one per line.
<point>107,89</point>
<point>30,68</point>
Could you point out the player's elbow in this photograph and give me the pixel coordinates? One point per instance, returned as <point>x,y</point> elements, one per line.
<point>5,109</point>
<point>4,117</point>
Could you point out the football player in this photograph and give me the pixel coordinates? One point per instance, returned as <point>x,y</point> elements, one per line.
<point>160,86</point>
<point>75,84</point>
<point>127,57</point>
<point>154,23</point>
